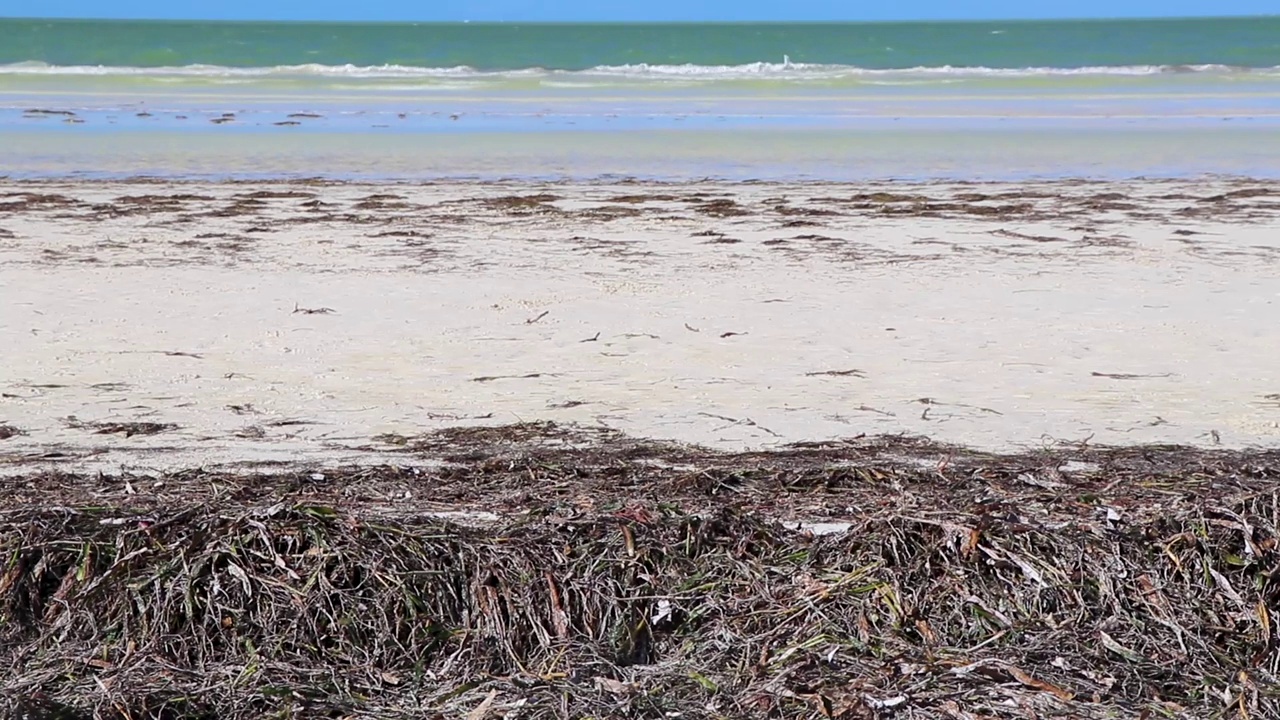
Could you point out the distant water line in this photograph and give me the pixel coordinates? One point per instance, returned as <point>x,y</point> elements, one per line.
<point>1063,45</point>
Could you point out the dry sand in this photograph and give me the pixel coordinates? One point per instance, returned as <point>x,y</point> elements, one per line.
<point>325,323</point>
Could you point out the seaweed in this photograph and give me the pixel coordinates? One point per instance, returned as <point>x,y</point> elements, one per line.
<point>545,571</point>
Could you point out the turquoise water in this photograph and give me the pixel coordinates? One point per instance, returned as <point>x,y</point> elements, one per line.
<point>1234,42</point>
<point>827,100</point>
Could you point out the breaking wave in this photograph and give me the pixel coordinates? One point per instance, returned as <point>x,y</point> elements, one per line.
<point>785,70</point>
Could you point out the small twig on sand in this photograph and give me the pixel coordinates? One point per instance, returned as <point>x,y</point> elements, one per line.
<point>312,311</point>
<point>931,401</point>
<point>593,338</point>
<point>744,421</point>
<point>541,315</point>
<point>169,353</point>
<point>731,334</point>
<point>837,373</point>
<point>451,416</point>
<point>289,422</point>
<point>691,328</point>
<point>1129,376</point>
<point>490,378</point>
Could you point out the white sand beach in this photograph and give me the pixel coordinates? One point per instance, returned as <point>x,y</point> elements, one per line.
<point>275,323</point>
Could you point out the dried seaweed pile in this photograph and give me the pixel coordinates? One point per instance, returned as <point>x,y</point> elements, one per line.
<point>625,579</point>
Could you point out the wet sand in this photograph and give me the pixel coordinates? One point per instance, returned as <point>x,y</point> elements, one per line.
<point>165,325</point>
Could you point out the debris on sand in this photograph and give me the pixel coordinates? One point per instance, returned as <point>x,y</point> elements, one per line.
<point>523,204</point>
<point>837,373</point>
<point>128,429</point>
<point>44,112</point>
<point>541,571</point>
<point>312,311</point>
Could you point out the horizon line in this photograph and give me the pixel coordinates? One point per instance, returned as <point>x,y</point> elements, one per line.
<point>1081,18</point>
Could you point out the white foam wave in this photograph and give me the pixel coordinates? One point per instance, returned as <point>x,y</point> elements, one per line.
<point>785,70</point>
<point>801,70</point>
<point>222,71</point>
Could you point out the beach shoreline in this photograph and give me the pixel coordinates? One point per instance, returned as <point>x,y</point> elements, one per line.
<point>554,370</point>
<point>678,148</point>
<point>164,325</point>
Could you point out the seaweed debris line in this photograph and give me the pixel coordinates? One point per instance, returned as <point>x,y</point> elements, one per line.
<point>614,577</point>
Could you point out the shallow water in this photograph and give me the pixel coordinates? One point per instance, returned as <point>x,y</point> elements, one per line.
<point>922,152</point>
<point>411,102</point>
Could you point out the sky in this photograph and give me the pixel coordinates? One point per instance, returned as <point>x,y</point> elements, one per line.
<point>628,10</point>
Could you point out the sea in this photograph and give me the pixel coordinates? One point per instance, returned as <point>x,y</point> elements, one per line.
<point>980,100</point>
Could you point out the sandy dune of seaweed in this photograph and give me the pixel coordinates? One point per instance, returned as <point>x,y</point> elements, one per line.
<point>597,575</point>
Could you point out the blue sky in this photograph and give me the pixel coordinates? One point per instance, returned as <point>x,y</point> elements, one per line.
<point>526,10</point>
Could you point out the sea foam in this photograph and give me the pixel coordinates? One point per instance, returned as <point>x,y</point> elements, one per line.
<point>785,70</point>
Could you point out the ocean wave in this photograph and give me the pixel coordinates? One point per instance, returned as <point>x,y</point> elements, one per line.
<point>222,71</point>
<point>785,70</point>
<point>801,70</point>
